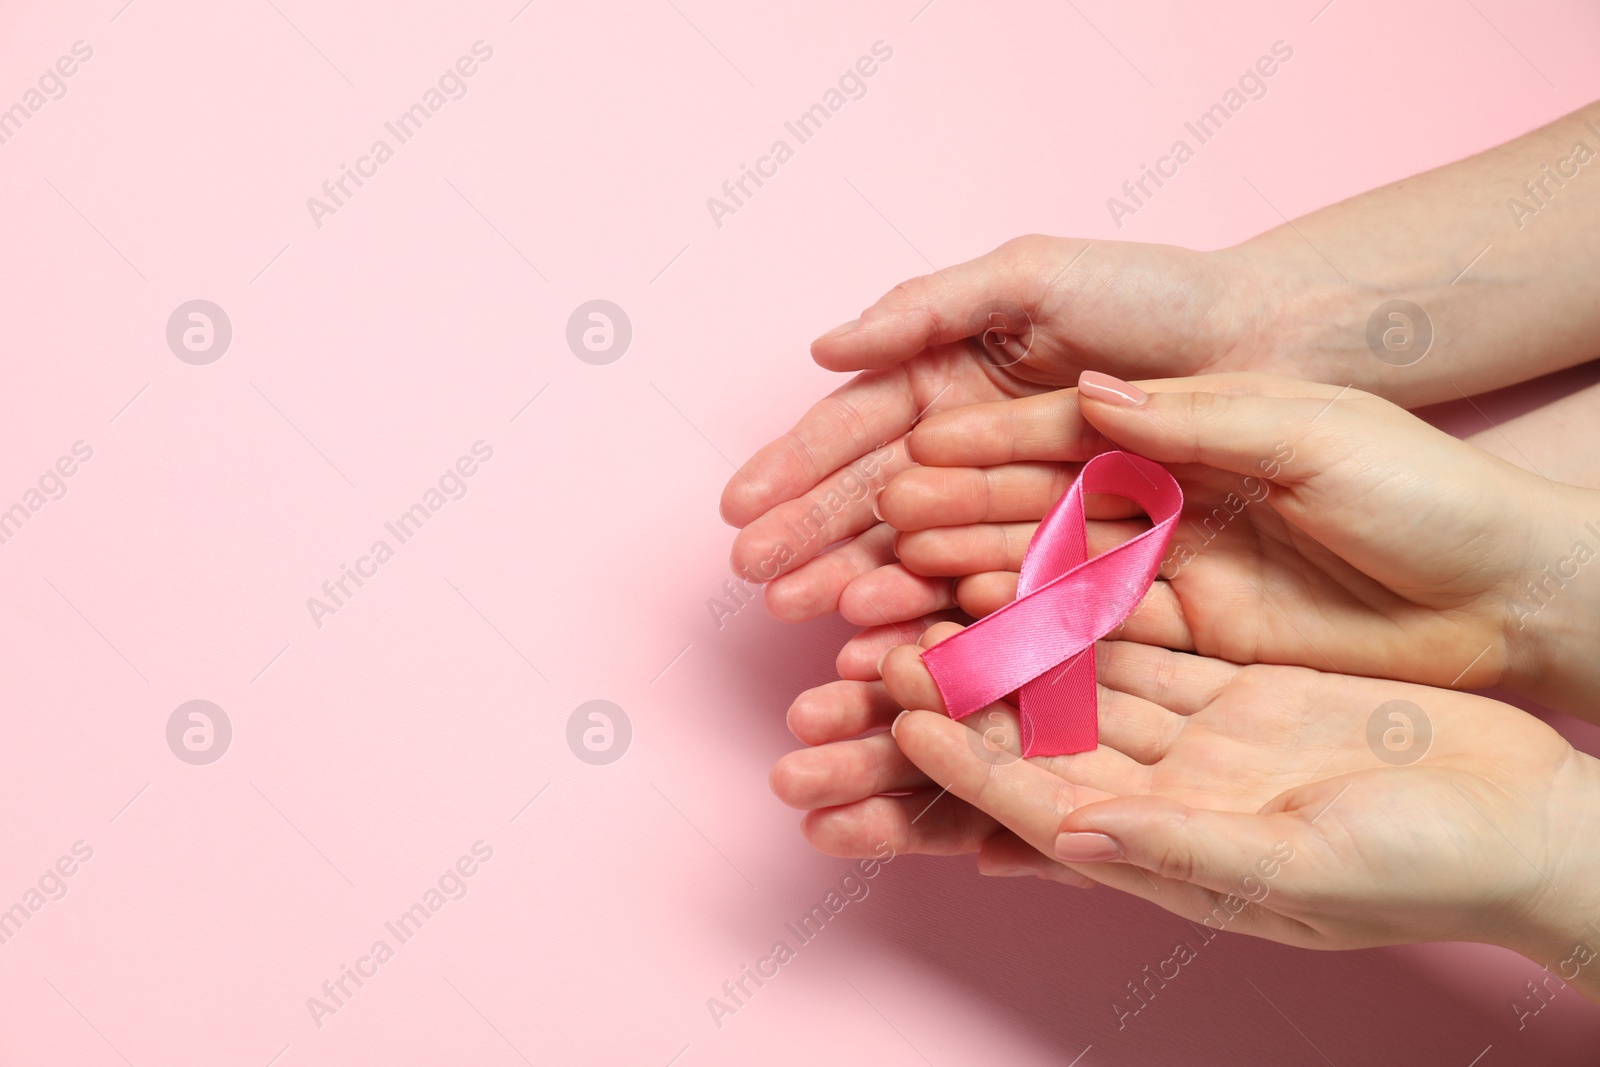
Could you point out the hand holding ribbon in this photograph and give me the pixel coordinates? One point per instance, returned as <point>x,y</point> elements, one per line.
<point>1065,603</point>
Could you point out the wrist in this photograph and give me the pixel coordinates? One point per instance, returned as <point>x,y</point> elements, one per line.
<point>1559,927</point>
<point>1552,616</point>
<point>1379,324</point>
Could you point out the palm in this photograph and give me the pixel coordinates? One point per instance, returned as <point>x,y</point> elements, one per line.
<point>1022,320</point>
<point>1407,834</point>
<point>1258,588</point>
<point>1397,828</point>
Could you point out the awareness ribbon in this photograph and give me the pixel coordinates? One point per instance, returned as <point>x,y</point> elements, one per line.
<point>1065,603</point>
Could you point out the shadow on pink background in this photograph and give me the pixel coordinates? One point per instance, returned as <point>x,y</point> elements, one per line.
<point>420,729</point>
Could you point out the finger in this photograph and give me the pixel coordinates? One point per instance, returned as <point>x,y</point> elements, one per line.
<point>956,551</point>
<point>1049,426</point>
<point>1190,876</point>
<point>983,594</point>
<point>795,531</point>
<point>1139,730</point>
<point>843,428</point>
<point>1006,855</point>
<point>893,594</point>
<point>858,659</point>
<point>813,589</point>
<point>1026,798</point>
<point>843,772</point>
<point>929,822</point>
<point>908,680</point>
<point>1180,682</point>
<point>1158,620</point>
<point>925,497</point>
<point>1215,850</point>
<point>1251,424</point>
<point>839,710</point>
<point>938,632</point>
<point>951,304</point>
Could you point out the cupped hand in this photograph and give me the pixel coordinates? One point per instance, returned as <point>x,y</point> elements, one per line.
<point>1323,527</point>
<point>1315,809</point>
<point>1024,318</point>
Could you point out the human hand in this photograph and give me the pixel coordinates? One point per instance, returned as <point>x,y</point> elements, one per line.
<point>1300,299</point>
<point>1024,318</point>
<point>1324,527</point>
<point>1261,799</point>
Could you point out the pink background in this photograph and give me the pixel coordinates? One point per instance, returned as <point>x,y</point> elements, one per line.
<point>368,354</point>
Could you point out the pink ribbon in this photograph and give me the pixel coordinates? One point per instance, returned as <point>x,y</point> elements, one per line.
<point>1065,603</point>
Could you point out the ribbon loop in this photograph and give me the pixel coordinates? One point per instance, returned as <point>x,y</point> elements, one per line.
<point>1065,603</point>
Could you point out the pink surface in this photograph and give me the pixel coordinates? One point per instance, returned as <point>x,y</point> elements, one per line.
<point>370,754</point>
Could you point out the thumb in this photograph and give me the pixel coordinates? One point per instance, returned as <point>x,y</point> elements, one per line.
<point>1252,424</point>
<point>1226,852</point>
<point>994,298</point>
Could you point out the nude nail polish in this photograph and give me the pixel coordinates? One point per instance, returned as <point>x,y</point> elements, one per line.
<point>1008,872</point>
<point>1109,390</point>
<point>839,330</point>
<point>1086,848</point>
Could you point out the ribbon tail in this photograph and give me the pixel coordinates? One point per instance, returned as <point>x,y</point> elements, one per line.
<point>1059,709</point>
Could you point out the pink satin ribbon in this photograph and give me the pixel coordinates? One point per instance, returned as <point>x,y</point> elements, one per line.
<point>1065,603</point>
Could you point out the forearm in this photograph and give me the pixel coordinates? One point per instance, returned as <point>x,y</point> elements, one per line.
<point>1557,440</point>
<point>1499,250</point>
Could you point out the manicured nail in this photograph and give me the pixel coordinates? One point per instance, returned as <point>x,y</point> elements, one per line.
<point>1109,390</point>
<point>877,511</point>
<point>896,724</point>
<point>839,330</point>
<point>1086,848</point>
<point>1008,872</point>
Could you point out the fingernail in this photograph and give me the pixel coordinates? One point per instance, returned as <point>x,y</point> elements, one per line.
<point>1007,872</point>
<point>1086,848</point>
<point>896,724</point>
<point>1109,390</point>
<point>877,511</point>
<point>839,330</point>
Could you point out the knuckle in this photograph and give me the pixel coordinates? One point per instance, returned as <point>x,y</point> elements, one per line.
<point>849,417</point>
<point>1173,861</point>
